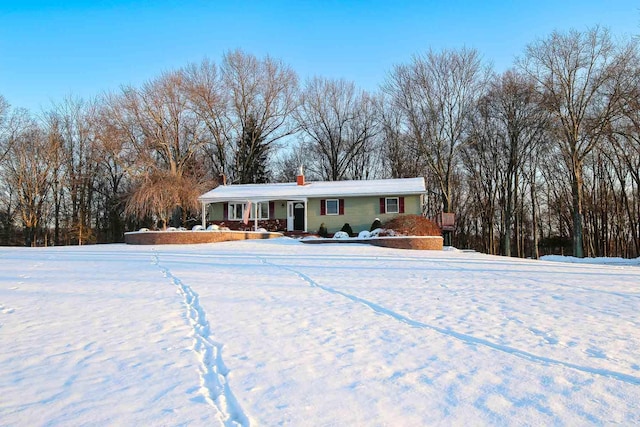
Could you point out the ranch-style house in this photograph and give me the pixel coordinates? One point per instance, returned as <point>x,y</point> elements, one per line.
<point>304,206</point>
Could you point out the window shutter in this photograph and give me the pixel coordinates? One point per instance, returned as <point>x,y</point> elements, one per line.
<point>323,207</point>
<point>341,208</point>
<point>225,211</point>
<point>401,202</point>
<point>272,210</point>
<point>383,207</point>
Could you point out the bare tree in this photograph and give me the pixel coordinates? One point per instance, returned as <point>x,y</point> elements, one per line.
<point>71,122</point>
<point>4,137</point>
<point>59,184</point>
<point>437,93</point>
<point>28,170</point>
<point>7,192</point>
<point>211,102</point>
<point>263,97</point>
<point>287,164</point>
<point>515,105</point>
<point>401,158</point>
<point>579,75</point>
<point>246,107</point>
<point>8,210</point>
<point>165,138</point>
<point>625,145</point>
<point>339,126</point>
<point>159,192</point>
<point>113,182</point>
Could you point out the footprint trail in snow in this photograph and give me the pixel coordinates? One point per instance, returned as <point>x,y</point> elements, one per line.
<point>468,339</point>
<point>214,384</point>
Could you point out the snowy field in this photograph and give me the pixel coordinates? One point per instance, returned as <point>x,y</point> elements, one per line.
<point>281,333</point>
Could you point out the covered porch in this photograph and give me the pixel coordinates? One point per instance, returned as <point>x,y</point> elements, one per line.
<point>254,213</point>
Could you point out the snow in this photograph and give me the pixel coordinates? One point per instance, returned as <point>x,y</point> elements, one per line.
<point>364,234</point>
<point>293,191</point>
<point>597,260</point>
<point>276,332</point>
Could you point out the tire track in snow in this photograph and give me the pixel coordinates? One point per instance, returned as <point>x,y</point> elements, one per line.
<point>214,385</point>
<point>467,339</point>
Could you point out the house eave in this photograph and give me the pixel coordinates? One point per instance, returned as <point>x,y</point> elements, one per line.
<point>315,190</point>
<point>292,197</point>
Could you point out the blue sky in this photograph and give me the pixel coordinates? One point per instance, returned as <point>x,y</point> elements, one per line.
<point>50,50</point>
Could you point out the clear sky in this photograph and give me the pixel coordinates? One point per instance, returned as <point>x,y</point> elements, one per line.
<point>52,49</point>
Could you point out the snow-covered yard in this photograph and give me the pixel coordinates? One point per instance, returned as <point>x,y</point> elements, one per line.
<point>279,333</point>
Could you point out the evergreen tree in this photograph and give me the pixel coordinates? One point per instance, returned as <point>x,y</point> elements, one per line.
<point>252,155</point>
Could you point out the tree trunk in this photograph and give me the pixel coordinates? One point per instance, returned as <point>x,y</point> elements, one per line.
<point>508,212</point>
<point>577,198</point>
<point>534,220</point>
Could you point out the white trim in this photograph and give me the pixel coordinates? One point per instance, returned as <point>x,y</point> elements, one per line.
<point>290,214</point>
<point>263,215</point>
<point>255,214</point>
<point>252,213</point>
<point>270,196</point>
<point>305,214</point>
<point>232,211</point>
<point>386,205</point>
<point>326,207</point>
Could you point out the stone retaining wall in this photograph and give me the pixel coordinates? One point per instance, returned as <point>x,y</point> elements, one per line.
<point>190,237</point>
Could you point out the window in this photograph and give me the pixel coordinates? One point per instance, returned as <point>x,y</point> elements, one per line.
<point>236,211</point>
<point>262,209</point>
<point>332,206</point>
<point>392,205</point>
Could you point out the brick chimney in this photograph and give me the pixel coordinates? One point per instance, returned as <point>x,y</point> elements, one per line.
<point>300,177</point>
<point>222,179</point>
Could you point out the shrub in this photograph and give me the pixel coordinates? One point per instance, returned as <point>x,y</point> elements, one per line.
<point>413,225</point>
<point>322,232</point>
<point>377,232</point>
<point>375,225</point>
<point>347,229</point>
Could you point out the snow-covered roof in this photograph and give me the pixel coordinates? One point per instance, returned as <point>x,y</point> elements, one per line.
<point>293,191</point>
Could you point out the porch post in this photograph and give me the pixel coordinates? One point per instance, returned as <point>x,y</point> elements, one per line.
<point>305,214</point>
<point>255,216</point>
<point>204,215</point>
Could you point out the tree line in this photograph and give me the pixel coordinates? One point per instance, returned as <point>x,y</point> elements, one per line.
<point>541,158</point>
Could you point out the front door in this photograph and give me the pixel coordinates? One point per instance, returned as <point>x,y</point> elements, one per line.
<point>295,216</point>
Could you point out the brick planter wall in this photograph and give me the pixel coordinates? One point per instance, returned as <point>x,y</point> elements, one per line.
<point>190,237</point>
<point>433,243</point>
<point>267,224</point>
<point>430,243</point>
